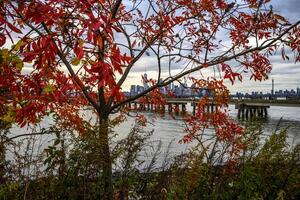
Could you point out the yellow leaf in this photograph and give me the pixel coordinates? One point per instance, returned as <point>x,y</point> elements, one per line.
<point>84,62</point>
<point>4,55</point>
<point>9,117</point>
<point>81,42</point>
<point>19,65</point>
<point>17,46</point>
<point>75,61</point>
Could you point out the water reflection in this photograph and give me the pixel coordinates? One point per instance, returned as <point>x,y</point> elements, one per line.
<point>167,129</point>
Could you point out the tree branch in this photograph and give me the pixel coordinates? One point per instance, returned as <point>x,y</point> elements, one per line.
<point>216,61</point>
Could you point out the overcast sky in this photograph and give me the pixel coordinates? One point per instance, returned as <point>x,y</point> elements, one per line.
<point>286,74</point>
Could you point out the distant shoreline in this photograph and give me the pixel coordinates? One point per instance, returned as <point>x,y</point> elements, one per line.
<point>296,105</point>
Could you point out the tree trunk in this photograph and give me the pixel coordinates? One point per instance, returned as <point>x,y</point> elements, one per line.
<point>106,159</point>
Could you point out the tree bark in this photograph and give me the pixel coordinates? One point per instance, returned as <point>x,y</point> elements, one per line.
<point>106,159</point>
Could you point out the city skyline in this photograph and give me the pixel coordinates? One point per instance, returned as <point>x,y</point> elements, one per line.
<point>285,73</point>
<point>185,89</point>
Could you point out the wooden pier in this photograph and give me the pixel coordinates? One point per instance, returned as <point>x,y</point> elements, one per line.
<point>176,106</point>
<point>250,110</point>
<point>179,106</point>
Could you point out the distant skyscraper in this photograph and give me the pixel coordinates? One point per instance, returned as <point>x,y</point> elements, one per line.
<point>140,89</point>
<point>145,82</point>
<point>133,90</point>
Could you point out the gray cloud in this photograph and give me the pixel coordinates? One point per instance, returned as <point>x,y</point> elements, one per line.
<point>149,63</point>
<point>285,73</point>
<point>288,8</point>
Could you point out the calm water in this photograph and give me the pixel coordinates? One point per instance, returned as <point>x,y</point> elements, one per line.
<point>166,129</point>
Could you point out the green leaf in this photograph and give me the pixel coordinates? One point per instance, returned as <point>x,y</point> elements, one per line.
<point>56,142</point>
<point>48,89</point>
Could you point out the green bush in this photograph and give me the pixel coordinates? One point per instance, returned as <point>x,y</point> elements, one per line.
<point>69,168</point>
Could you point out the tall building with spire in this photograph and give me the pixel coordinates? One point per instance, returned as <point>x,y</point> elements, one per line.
<point>145,82</point>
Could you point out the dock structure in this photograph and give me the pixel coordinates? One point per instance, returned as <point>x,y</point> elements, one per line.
<point>246,108</point>
<point>176,106</point>
<point>179,106</point>
<point>207,108</point>
<point>250,110</point>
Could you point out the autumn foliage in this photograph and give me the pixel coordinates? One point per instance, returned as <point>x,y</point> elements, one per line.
<point>81,33</point>
<point>59,56</point>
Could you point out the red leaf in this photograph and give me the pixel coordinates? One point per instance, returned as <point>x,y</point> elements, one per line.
<point>13,28</point>
<point>2,39</point>
<point>89,36</point>
<point>134,43</point>
<point>240,77</point>
<point>227,75</point>
<point>29,57</point>
<point>117,29</point>
<point>79,52</point>
<point>235,74</point>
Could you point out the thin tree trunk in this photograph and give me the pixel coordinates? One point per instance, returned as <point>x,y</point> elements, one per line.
<point>105,156</point>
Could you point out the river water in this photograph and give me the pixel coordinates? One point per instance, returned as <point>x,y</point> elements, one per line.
<point>168,131</point>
